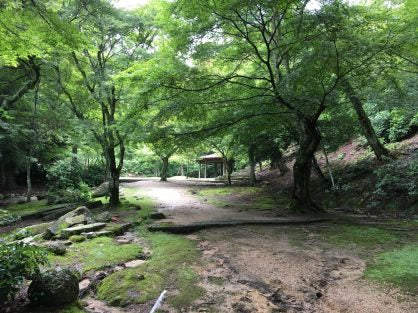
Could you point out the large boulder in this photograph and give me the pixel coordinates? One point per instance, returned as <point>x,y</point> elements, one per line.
<point>77,230</point>
<point>101,191</point>
<point>81,215</point>
<point>103,217</point>
<point>54,287</point>
<point>32,230</point>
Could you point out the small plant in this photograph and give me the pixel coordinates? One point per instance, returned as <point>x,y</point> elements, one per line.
<point>17,262</point>
<point>7,218</point>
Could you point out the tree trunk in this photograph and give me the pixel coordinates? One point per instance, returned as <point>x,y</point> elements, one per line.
<point>318,170</point>
<point>251,158</point>
<point>365,124</point>
<point>165,169</point>
<point>114,177</point>
<point>28,177</point>
<point>229,169</point>
<point>277,162</point>
<point>309,139</point>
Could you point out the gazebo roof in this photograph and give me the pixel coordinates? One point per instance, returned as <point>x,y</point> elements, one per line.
<point>214,157</point>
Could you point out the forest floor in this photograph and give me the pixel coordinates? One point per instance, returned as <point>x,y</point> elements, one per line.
<point>311,268</point>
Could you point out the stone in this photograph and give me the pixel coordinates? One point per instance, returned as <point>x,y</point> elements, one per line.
<point>32,230</point>
<point>77,230</point>
<point>91,235</point>
<point>104,217</point>
<point>84,284</point>
<point>101,191</point>
<point>134,263</point>
<point>119,229</point>
<point>157,216</point>
<point>54,287</point>
<point>56,248</point>
<point>80,215</point>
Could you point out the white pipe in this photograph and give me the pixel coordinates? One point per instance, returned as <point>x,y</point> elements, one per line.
<point>158,302</point>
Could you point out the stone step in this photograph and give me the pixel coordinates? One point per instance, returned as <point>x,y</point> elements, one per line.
<point>77,230</point>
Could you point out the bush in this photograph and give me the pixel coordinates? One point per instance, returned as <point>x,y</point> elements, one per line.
<point>394,125</point>
<point>65,182</point>
<point>397,178</point>
<point>17,262</point>
<point>399,125</point>
<point>94,175</point>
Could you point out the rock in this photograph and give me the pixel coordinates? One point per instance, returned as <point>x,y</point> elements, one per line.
<point>119,229</point>
<point>84,284</point>
<point>54,287</point>
<point>56,248</point>
<point>104,217</point>
<point>77,238</point>
<point>34,198</point>
<point>134,263</point>
<point>32,230</point>
<point>101,191</point>
<point>77,230</point>
<point>81,215</point>
<point>157,216</point>
<point>103,233</point>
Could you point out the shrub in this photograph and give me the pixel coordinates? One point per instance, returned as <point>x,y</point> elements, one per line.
<point>17,262</point>
<point>397,178</point>
<point>399,125</point>
<point>94,175</point>
<point>65,182</point>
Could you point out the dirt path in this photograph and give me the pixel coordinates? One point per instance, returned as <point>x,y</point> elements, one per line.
<point>175,200</point>
<point>260,269</point>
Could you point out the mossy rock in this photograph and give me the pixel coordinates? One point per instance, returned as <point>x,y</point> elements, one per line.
<point>77,238</point>
<point>54,287</point>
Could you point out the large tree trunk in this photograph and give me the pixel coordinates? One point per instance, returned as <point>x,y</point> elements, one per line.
<point>28,177</point>
<point>309,139</point>
<point>114,177</point>
<point>164,171</point>
<point>277,162</point>
<point>318,170</point>
<point>251,158</point>
<point>365,124</point>
<point>229,170</point>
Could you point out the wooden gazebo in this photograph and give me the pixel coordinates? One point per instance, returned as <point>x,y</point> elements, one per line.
<point>214,159</point>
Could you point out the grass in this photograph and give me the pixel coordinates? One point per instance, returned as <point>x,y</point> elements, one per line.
<point>398,267</point>
<point>29,207</point>
<point>168,268</point>
<point>362,236</point>
<point>246,198</point>
<point>97,253</point>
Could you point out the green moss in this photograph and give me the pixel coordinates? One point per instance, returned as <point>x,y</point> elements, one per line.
<point>97,253</point>
<point>144,202</point>
<point>399,267</point>
<point>216,280</point>
<point>77,238</point>
<point>29,207</point>
<point>362,236</point>
<point>168,268</point>
<point>227,191</point>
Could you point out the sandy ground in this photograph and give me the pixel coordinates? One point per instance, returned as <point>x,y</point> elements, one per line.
<point>175,200</point>
<point>259,269</point>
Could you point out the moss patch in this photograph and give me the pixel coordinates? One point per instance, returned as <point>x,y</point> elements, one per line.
<point>227,191</point>
<point>399,267</point>
<point>168,268</point>
<point>29,207</point>
<point>363,236</point>
<point>97,253</point>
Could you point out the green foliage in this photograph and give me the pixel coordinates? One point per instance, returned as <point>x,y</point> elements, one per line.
<point>93,175</point>
<point>65,182</point>
<point>17,262</point>
<point>397,178</point>
<point>399,267</point>
<point>7,218</point>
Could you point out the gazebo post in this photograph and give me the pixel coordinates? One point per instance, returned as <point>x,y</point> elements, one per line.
<point>200,165</point>
<point>206,168</point>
